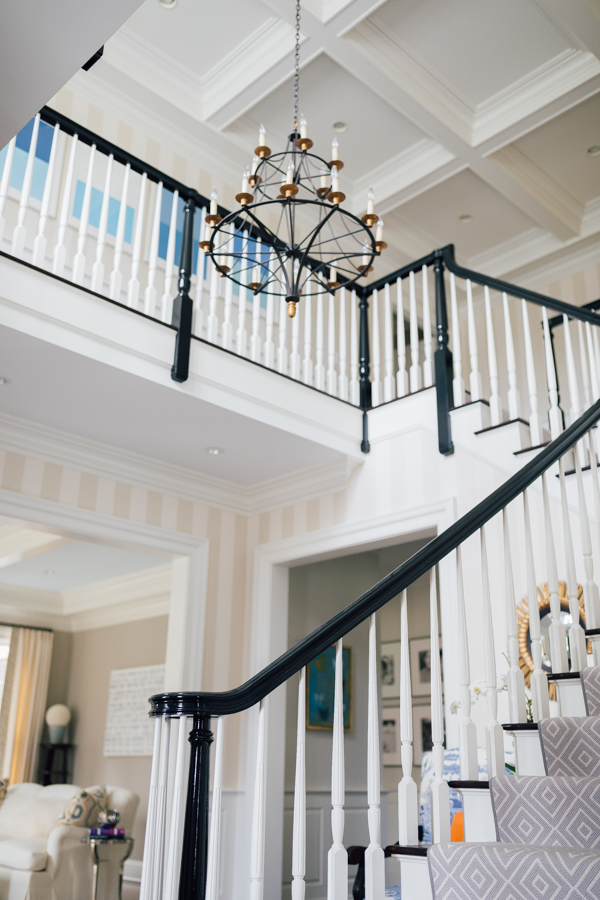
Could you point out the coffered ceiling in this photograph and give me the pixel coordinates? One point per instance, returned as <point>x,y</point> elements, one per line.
<point>455,108</point>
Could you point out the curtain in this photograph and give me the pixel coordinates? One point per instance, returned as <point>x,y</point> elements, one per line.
<point>24,702</point>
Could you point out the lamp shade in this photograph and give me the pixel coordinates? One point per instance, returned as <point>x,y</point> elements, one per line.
<point>58,715</point>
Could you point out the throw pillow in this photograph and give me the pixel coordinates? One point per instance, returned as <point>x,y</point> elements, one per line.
<point>84,809</point>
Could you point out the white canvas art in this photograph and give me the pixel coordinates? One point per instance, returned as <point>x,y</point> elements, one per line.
<point>129,730</point>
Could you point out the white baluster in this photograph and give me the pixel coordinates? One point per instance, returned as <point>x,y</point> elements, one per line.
<point>577,643</point>
<point>593,368</point>
<point>585,372</point>
<point>475,377</point>
<point>257,841</point>
<point>214,834</point>
<point>299,820</point>
<point>319,370</point>
<point>307,363</point>
<point>177,811</point>
<point>554,413</point>
<point>593,460</point>
<point>590,595</point>
<point>596,342</point>
<point>440,794</point>
<point>495,402</point>
<point>212,321</point>
<point>337,858</point>
<point>415,369</point>
<point>557,635</point>
<point>331,373</point>
<point>166,301</point>
<point>147,879</point>
<point>98,267</point>
<point>538,680</point>
<point>575,411</point>
<point>133,285</point>
<point>427,349</point>
<point>60,251</point>
<point>200,266</point>
<point>161,813</point>
<point>389,382</point>
<point>354,384</point>
<point>494,736</point>
<point>376,391</point>
<point>535,428</point>
<point>458,383</point>
<point>116,276</point>
<point>374,856</point>
<point>79,261</point>
<point>227,328</point>
<point>18,238</point>
<point>514,401</point>
<point>467,732</point>
<point>515,682</point>
<point>241,336</point>
<point>5,183</point>
<point>150,292</point>
<point>255,338</point>
<point>269,345</point>
<point>343,379</point>
<point>282,351</point>
<point>295,361</point>
<point>401,374</point>
<point>39,244</point>
<point>408,801</point>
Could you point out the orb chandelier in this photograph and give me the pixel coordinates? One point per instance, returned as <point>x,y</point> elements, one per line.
<point>291,235</point>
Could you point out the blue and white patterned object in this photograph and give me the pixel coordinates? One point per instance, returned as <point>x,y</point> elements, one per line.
<point>451,773</point>
<point>393,892</point>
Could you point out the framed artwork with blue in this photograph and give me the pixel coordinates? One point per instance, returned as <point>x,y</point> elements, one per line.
<point>320,684</point>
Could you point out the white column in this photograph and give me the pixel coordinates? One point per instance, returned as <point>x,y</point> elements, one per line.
<point>147,879</point>
<point>494,736</point>
<point>133,285</point>
<point>577,643</point>
<point>585,372</point>
<point>514,402</point>
<point>389,382</point>
<point>257,840</point>
<point>554,413</point>
<point>408,800</point>
<point>319,371</point>
<point>18,238</point>
<point>227,327</point>
<point>212,321</point>
<point>415,369</point>
<point>475,377</point>
<point>295,361</point>
<point>557,632</point>
<point>177,812</point>
<point>376,392</point>
<point>214,834</point>
<point>166,301</point>
<point>495,402</point>
<point>343,378</point>
<point>116,276</point>
<point>39,244</point>
<point>535,429</point>
<point>539,679</point>
<point>282,351</point>
<point>269,345</point>
<point>458,383</point>
<point>60,251</point>
<point>467,732</point>
<point>592,359</point>
<point>255,347</point>
<point>590,594</point>
<point>354,384</point>
<point>150,292</point>
<point>161,813</point>
<point>374,856</point>
<point>595,490</point>
<point>575,410</point>
<point>515,682</point>
<point>200,281</point>
<point>332,379</point>
<point>337,858</point>
<point>401,374</point>
<point>299,820</point>
<point>427,347</point>
<point>98,267</point>
<point>440,794</point>
<point>241,336</point>
<point>5,183</point>
<point>80,260</point>
<point>307,363</point>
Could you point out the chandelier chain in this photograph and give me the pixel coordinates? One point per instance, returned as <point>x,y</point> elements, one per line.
<point>297,68</point>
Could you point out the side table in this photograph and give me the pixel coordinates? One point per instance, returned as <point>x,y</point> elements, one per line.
<point>109,850</point>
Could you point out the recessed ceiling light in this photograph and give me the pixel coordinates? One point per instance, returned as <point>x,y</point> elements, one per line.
<point>466,217</point>
<point>49,572</point>
<point>4,380</point>
<point>340,127</point>
<point>166,5</point>
<point>594,151</point>
<point>214,451</point>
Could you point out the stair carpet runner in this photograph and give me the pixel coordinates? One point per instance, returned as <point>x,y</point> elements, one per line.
<point>544,837</point>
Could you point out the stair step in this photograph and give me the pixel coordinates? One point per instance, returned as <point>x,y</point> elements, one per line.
<point>569,693</point>
<point>414,871</point>
<point>528,750</point>
<point>478,815</point>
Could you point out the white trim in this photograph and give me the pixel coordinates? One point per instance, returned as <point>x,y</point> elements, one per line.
<point>132,871</point>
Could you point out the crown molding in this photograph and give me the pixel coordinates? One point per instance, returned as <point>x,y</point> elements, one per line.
<point>29,438</point>
<point>146,585</point>
<point>18,543</point>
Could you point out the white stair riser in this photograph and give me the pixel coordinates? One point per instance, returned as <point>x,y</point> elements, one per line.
<point>570,698</point>
<point>528,753</point>
<point>478,815</point>
<point>414,878</point>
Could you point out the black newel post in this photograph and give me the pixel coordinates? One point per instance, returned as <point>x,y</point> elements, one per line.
<point>182,304</point>
<point>192,883</point>
<point>443,362</point>
<point>364,369</point>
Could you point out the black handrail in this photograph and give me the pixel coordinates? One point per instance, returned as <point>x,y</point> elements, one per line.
<point>293,660</point>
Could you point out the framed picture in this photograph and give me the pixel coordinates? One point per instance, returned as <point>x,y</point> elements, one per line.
<point>390,731</point>
<point>320,687</point>
<point>420,666</point>
<point>421,732</point>
<point>389,662</point>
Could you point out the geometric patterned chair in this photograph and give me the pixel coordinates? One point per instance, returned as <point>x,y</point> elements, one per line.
<point>590,683</point>
<point>571,746</point>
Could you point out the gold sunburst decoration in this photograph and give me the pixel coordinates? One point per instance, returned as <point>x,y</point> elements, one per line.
<point>543,598</point>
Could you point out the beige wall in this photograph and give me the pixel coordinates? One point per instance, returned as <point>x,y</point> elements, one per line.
<point>79,676</point>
